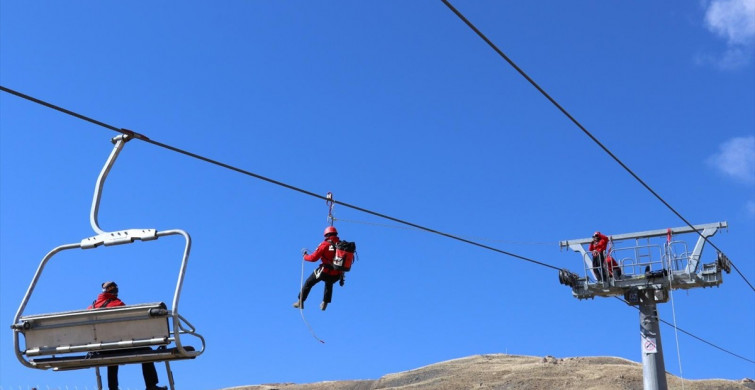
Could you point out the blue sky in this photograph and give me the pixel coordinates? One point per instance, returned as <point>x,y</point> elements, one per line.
<point>399,108</point>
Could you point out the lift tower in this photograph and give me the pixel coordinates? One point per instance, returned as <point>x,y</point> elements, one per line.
<point>643,268</point>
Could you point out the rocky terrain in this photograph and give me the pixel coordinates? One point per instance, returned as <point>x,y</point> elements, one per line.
<point>513,372</point>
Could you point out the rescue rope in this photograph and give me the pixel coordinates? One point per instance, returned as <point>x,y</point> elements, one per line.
<point>676,335</point>
<point>673,306</point>
<point>301,304</point>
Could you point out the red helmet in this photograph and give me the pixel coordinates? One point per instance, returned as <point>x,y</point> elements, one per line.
<point>330,230</point>
<point>596,234</point>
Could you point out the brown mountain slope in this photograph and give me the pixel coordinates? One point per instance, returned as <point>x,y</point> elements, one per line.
<point>513,372</point>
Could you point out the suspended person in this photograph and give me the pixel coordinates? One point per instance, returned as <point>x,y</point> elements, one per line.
<point>109,298</point>
<point>598,249</point>
<point>326,251</point>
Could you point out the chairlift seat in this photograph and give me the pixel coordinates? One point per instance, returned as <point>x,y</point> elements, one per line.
<point>100,337</point>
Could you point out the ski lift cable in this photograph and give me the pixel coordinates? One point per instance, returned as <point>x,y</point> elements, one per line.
<point>239,170</point>
<point>706,342</point>
<point>695,337</point>
<point>584,130</point>
<point>327,199</point>
<point>484,239</point>
<point>279,183</point>
<point>354,207</point>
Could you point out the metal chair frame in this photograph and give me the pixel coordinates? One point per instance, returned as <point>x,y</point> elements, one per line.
<point>104,337</point>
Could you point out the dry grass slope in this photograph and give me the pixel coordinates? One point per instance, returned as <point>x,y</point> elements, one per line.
<point>513,372</point>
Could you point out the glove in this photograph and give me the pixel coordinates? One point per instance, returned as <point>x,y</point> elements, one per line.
<point>304,251</point>
<point>342,281</point>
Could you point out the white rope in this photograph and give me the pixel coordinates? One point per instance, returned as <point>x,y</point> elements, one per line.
<point>301,304</point>
<point>676,334</point>
<point>669,258</point>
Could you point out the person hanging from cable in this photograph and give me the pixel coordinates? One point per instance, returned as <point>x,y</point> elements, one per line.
<point>326,272</point>
<point>598,250</point>
<point>109,298</point>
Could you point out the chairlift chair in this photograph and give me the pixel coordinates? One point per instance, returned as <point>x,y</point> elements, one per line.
<point>80,339</point>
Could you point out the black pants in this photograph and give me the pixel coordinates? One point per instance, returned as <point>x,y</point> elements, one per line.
<point>597,265</point>
<point>148,371</point>
<point>315,278</point>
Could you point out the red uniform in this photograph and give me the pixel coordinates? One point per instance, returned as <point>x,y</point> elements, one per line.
<point>326,251</point>
<point>106,300</point>
<point>598,248</point>
<point>601,245</point>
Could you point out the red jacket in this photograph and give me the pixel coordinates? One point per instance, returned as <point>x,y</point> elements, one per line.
<point>601,245</point>
<point>326,251</point>
<point>102,298</point>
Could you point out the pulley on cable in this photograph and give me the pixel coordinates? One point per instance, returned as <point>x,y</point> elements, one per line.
<point>330,203</point>
<point>344,250</point>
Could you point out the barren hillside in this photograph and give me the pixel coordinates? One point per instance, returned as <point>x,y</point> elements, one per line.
<point>515,373</point>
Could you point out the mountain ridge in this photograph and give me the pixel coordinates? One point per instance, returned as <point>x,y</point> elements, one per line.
<point>515,372</point>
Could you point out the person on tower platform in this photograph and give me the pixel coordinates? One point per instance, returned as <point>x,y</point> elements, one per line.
<point>598,249</point>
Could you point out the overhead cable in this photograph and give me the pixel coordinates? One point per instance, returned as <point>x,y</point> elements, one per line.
<point>584,130</point>
<point>276,182</point>
<point>695,337</point>
<point>242,171</point>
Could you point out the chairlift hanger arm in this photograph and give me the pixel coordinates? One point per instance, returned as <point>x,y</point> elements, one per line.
<point>119,141</point>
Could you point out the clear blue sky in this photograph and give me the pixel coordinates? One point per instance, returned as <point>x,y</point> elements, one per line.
<point>396,107</point>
